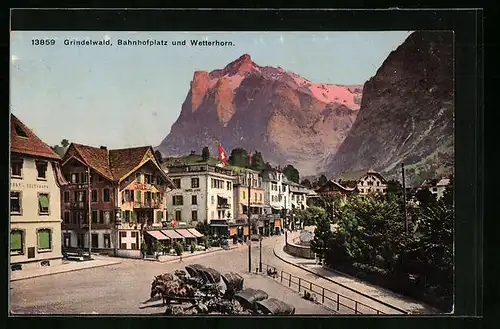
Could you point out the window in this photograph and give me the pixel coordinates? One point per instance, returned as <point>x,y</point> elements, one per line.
<point>434,189</point>
<point>66,196</point>
<point>15,203</point>
<point>147,179</point>
<point>194,200</point>
<point>260,196</point>
<point>243,195</point>
<point>126,216</point>
<point>133,234</point>
<point>94,216</point>
<point>384,190</point>
<point>94,196</point>
<point>17,242</point>
<point>66,217</point>
<point>95,240</point>
<point>43,204</point>
<point>195,182</point>
<point>20,131</point>
<point>255,196</point>
<point>177,182</point>
<point>213,199</point>
<point>67,239</point>
<point>159,181</point>
<point>194,215</point>
<point>99,178</point>
<point>178,215</point>
<point>228,186</point>
<point>378,183</point>
<point>105,195</point>
<point>75,178</point>
<point>16,167</point>
<point>41,168</point>
<point>107,241</point>
<point>84,177</point>
<point>284,188</point>
<point>177,200</point>
<point>138,177</point>
<point>79,196</point>
<point>159,216</point>
<point>123,234</point>
<point>44,239</point>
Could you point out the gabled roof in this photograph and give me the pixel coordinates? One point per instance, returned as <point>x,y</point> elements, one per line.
<point>115,164</point>
<point>356,175</point>
<point>24,141</point>
<point>332,182</point>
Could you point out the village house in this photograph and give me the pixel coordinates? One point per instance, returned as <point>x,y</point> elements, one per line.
<point>334,189</point>
<point>277,195</point>
<point>365,182</point>
<point>257,204</point>
<point>35,208</point>
<point>202,193</point>
<point>436,186</point>
<point>116,195</point>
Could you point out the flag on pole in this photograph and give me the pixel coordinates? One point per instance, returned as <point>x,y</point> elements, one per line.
<point>173,222</point>
<point>250,160</point>
<point>222,154</point>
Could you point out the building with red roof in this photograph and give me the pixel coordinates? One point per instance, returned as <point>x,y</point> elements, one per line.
<point>125,197</point>
<point>35,207</point>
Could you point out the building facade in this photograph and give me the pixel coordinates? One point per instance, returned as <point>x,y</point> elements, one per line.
<point>112,198</point>
<point>365,182</point>
<point>35,208</point>
<point>334,189</point>
<point>202,193</point>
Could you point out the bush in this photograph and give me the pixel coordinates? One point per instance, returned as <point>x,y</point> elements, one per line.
<point>179,248</point>
<point>193,247</point>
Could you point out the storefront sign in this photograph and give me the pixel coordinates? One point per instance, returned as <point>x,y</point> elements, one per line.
<point>34,186</point>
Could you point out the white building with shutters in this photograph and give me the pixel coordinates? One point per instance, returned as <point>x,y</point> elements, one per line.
<point>35,200</point>
<point>203,193</point>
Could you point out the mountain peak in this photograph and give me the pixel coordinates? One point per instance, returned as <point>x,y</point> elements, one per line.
<point>242,64</point>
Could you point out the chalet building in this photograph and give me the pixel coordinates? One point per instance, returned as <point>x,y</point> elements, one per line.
<point>334,189</point>
<point>35,209</point>
<point>364,182</point>
<point>436,186</point>
<point>298,196</point>
<point>123,191</point>
<point>202,192</point>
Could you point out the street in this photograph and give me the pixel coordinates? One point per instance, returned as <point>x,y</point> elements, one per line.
<point>123,288</point>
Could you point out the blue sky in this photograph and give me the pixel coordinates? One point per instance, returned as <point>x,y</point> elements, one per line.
<point>130,96</point>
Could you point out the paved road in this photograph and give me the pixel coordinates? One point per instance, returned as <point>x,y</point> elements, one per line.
<point>124,288</point>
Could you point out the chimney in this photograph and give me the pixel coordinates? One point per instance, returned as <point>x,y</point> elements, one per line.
<point>103,147</point>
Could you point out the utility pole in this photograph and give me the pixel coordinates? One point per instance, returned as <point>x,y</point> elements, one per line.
<point>404,196</point>
<point>249,226</point>
<point>89,211</point>
<point>260,254</point>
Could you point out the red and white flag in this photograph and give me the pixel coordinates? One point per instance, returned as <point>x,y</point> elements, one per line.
<point>222,154</point>
<point>173,222</point>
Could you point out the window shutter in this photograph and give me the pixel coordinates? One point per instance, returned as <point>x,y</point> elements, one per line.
<point>138,196</point>
<point>159,216</point>
<point>173,200</point>
<point>15,240</point>
<point>44,239</point>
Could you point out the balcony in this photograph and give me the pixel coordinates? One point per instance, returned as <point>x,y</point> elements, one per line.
<point>147,204</point>
<point>223,206</point>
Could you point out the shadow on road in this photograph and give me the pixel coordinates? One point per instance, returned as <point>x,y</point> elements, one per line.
<point>160,304</point>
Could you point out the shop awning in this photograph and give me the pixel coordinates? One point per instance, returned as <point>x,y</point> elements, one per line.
<point>185,233</point>
<point>158,235</point>
<point>172,234</point>
<point>253,204</point>
<point>195,232</point>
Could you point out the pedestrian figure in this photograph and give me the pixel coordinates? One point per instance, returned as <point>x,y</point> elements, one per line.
<point>180,258</point>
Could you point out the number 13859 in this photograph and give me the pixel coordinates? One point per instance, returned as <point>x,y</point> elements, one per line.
<point>43,42</point>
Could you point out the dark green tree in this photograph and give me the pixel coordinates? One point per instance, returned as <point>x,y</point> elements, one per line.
<point>322,180</point>
<point>238,157</point>
<point>291,173</point>
<point>205,153</point>
<point>258,161</point>
<point>425,197</point>
<point>203,228</point>
<point>322,235</point>
<point>158,156</point>
<point>306,182</point>
<point>61,150</point>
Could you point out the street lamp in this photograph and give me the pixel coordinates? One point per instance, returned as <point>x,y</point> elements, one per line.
<point>118,221</point>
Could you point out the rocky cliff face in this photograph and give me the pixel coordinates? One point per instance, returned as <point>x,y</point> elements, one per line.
<point>289,119</point>
<point>406,113</point>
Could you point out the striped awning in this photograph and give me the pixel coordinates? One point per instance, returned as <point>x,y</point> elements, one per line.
<point>158,235</point>
<point>195,232</point>
<point>185,233</point>
<point>172,234</point>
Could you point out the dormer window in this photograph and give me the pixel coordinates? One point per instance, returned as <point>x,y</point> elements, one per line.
<point>20,132</point>
<point>16,166</point>
<point>41,168</point>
